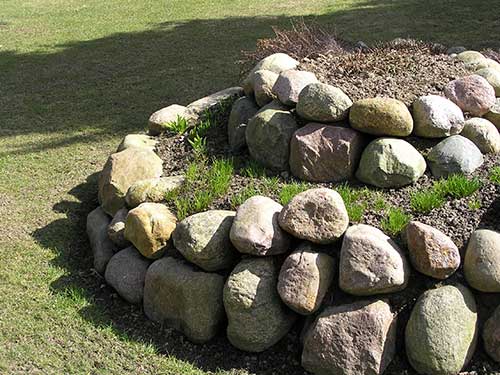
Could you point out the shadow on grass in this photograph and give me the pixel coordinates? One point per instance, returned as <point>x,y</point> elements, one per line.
<point>109,86</point>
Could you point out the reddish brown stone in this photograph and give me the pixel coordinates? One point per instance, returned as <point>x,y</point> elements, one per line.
<point>359,338</point>
<point>323,153</point>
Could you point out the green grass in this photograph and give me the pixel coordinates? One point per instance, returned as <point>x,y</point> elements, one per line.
<point>426,200</point>
<point>76,76</point>
<point>290,190</point>
<point>457,186</point>
<point>394,221</point>
<point>495,175</point>
<point>179,126</point>
<point>355,201</point>
<point>205,182</point>
<point>453,187</point>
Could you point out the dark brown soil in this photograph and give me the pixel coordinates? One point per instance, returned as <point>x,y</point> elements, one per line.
<point>402,71</point>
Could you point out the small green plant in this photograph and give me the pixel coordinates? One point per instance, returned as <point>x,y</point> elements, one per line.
<point>395,221</point>
<point>378,202</point>
<point>495,175</point>
<point>289,191</point>
<point>253,170</point>
<point>426,200</point>
<point>219,176</point>
<point>474,204</point>
<point>356,212</point>
<point>354,201</point>
<point>179,126</point>
<point>204,183</point>
<point>457,186</point>
<point>199,144</point>
<point>270,185</point>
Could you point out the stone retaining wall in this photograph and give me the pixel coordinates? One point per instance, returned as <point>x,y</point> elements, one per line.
<point>257,271</point>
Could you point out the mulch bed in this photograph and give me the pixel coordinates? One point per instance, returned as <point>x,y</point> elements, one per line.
<point>402,70</point>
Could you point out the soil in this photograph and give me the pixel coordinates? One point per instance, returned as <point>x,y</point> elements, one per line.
<point>403,72</point>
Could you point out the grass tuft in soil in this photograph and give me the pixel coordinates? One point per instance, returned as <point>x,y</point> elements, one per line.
<point>395,221</point>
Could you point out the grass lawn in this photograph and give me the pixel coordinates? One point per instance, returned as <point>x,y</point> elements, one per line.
<point>75,77</point>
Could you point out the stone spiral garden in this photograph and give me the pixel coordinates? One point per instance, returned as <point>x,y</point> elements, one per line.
<point>264,268</point>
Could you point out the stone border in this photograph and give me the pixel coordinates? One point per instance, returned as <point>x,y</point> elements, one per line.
<point>229,264</point>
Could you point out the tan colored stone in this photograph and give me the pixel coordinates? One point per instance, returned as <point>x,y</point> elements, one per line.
<point>137,140</point>
<point>263,83</point>
<point>149,227</point>
<point>381,116</point>
<point>482,261</point>
<point>371,263</point>
<point>432,252</point>
<point>152,190</point>
<point>256,230</point>
<point>123,169</point>
<point>483,134</point>
<point>305,277</point>
<point>317,215</point>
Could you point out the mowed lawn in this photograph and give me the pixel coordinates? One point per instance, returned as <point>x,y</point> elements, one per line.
<point>78,75</point>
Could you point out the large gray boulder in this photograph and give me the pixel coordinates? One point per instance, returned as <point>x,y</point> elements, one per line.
<point>482,261</point>
<point>149,227</point>
<point>152,190</point>
<point>390,163</point>
<point>324,153</point>
<point>371,263</point>
<point>472,94</point>
<point>126,272</point>
<point>454,155</point>
<point>316,215</point>
<point>257,319</point>
<point>354,339</point>
<point>116,229</point>
<point>441,334</point>
<point>323,103</point>
<point>100,244</point>
<point>305,277</point>
<point>184,298</point>
<point>431,251</point>
<point>242,111</point>
<point>436,117</point>
<point>483,133</point>
<point>263,83</point>
<point>256,230</point>
<point>123,169</point>
<point>268,138</point>
<point>203,239</point>
<point>160,119</point>
<point>381,116</point>
<point>491,335</point>
<point>290,83</point>
<point>137,140</point>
